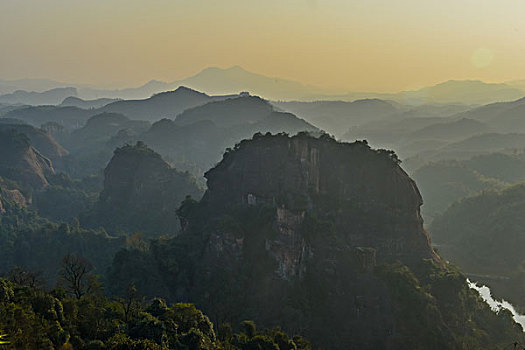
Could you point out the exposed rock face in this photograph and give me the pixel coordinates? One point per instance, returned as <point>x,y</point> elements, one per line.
<point>14,196</point>
<point>40,139</point>
<point>21,162</point>
<point>142,192</point>
<point>325,239</point>
<point>349,182</point>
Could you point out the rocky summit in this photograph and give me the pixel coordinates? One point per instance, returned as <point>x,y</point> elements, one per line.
<point>141,192</point>
<point>21,162</point>
<point>323,238</point>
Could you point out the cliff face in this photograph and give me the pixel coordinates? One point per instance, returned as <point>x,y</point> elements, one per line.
<point>21,162</point>
<point>142,192</point>
<point>40,139</point>
<point>323,238</point>
<point>369,199</point>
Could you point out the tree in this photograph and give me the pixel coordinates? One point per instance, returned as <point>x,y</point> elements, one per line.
<point>130,303</point>
<point>75,274</point>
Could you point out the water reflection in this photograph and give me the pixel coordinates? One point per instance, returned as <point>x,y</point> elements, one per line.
<point>496,305</point>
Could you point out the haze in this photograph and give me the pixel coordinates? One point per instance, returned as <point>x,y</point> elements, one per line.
<point>360,45</point>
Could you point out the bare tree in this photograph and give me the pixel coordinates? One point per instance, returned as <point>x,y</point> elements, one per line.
<point>26,278</point>
<point>75,274</point>
<point>129,304</point>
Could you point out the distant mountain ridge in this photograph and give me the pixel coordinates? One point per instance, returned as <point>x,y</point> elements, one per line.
<point>232,80</point>
<point>49,97</point>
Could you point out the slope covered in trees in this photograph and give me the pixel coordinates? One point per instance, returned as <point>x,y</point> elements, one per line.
<point>484,236</point>
<point>141,193</point>
<point>336,251</point>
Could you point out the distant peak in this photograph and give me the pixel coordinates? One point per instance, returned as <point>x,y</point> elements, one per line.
<point>236,68</point>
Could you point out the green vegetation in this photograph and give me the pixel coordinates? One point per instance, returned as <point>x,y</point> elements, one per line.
<point>32,318</point>
<point>484,236</point>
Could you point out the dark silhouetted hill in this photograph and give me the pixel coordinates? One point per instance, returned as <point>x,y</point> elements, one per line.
<point>162,105</point>
<point>323,236</point>
<point>86,104</point>
<point>69,117</point>
<point>141,193</point>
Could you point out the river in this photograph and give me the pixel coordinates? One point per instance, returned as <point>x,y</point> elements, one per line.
<point>496,305</point>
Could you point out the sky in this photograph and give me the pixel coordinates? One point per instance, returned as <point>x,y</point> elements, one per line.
<point>352,45</point>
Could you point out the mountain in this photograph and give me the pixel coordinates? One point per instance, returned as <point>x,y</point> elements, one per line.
<point>141,193</point>
<point>229,112</point>
<point>324,237</point>
<point>336,117</point>
<point>450,130</point>
<point>491,110</point>
<point>41,140</point>
<point>235,79</point>
<point>37,85</point>
<point>22,163</point>
<point>163,105</point>
<point>99,129</point>
<point>50,97</point>
<point>197,138</point>
<point>68,117</point>
<point>445,182</point>
<point>72,101</point>
<point>483,235</point>
<point>461,91</point>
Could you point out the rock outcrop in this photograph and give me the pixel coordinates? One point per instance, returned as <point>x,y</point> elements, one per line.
<point>40,139</point>
<point>141,193</point>
<point>21,162</point>
<point>371,201</point>
<point>325,239</point>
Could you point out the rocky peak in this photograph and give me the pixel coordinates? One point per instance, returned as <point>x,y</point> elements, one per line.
<point>39,138</point>
<point>142,192</point>
<point>371,201</point>
<point>21,162</point>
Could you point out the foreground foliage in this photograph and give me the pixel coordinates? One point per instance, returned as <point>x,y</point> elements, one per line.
<point>34,319</point>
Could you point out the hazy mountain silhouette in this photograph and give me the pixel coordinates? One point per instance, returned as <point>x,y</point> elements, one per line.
<point>229,112</point>
<point>215,80</point>
<point>235,79</point>
<point>461,91</point>
<point>50,97</point>
<point>336,117</point>
<point>450,130</point>
<point>86,104</point>
<point>163,105</point>
<point>197,138</point>
<point>69,117</point>
<point>37,85</point>
<point>99,129</point>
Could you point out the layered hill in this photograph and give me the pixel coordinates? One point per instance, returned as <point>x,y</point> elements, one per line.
<point>336,117</point>
<point>162,105</point>
<point>141,193</point>
<point>50,97</point>
<point>325,237</point>
<point>69,117</point>
<point>229,112</point>
<point>99,129</point>
<point>21,162</point>
<point>40,139</point>
<point>197,138</point>
<point>484,236</point>
<point>73,101</point>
